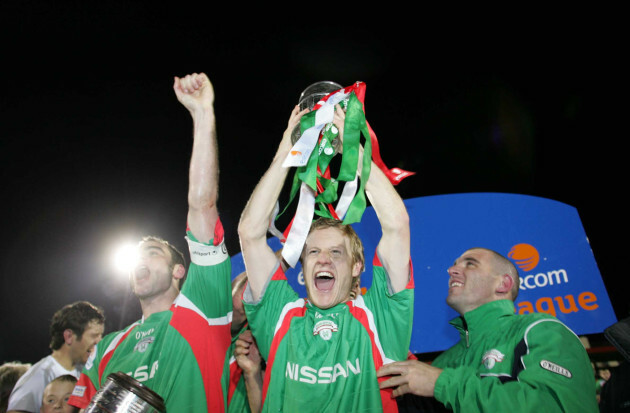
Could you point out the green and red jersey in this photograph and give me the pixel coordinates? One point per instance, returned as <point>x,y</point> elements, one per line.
<point>180,353</point>
<point>327,359</point>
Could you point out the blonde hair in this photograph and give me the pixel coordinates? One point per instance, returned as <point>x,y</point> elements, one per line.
<point>356,246</point>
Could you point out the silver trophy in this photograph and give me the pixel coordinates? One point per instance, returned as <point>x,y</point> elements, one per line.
<point>122,393</point>
<point>309,98</point>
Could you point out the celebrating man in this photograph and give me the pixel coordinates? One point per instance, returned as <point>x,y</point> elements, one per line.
<point>504,361</point>
<point>322,353</point>
<point>179,347</point>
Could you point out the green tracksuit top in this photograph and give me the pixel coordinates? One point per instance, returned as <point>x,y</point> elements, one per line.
<point>507,362</point>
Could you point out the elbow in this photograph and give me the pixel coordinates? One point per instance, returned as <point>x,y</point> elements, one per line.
<point>399,222</point>
<point>200,200</point>
<point>249,231</point>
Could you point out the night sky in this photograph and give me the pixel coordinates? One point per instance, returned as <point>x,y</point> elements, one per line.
<point>94,146</point>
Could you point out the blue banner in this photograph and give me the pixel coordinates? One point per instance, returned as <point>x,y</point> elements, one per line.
<point>545,239</point>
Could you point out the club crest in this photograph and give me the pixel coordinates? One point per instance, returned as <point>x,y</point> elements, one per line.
<point>491,357</point>
<point>144,344</point>
<point>324,329</point>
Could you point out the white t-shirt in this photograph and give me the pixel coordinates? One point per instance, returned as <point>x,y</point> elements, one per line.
<point>29,390</point>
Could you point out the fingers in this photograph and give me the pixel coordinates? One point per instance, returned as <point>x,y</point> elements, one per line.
<point>296,115</point>
<point>394,381</point>
<point>242,343</point>
<point>246,336</point>
<point>195,92</point>
<point>339,112</point>
<point>404,389</point>
<point>241,348</point>
<point>399,384</point>
<point>190,83</point>
<point>391,369</point>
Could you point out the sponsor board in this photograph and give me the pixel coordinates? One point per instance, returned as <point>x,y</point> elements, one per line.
<point>544,238</point>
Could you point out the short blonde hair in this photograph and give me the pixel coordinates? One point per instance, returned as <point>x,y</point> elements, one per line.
<point>356,246</point>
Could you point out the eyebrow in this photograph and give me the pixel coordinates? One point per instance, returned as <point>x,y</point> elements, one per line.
<point>338,246</point>
<point>466,259</point>
<point>151,248</point>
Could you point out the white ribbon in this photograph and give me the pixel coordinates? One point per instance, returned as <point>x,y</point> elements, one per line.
<point>347,195</point>
<point>301,225</point>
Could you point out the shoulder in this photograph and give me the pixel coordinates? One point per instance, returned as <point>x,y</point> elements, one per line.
<point>111,340</point>
<point>32,382</point>
<point>543,326</point>
<point>39,369</point>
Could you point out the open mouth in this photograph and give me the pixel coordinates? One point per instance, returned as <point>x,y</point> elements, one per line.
<point>141,273</point>
<point>455,284</point>
<point>324,281</point>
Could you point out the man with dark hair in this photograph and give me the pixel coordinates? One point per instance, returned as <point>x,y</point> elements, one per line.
<point>322,353</point>
<point>75,330</point>
<point>179,347</point>
<point>176,255</point>
<point>504,361</point>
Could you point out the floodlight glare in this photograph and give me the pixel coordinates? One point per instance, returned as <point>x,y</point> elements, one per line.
<point>126,257</point>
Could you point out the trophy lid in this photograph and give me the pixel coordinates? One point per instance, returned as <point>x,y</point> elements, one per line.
<point>314,92</point>
<point>139,389</point>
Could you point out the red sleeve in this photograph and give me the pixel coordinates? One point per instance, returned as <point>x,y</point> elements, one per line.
<point>83,392</point>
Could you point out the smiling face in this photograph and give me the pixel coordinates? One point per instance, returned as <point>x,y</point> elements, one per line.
<point>154,272</point>
<point>473,280</point>
<point>328,267</point>
<point>82,348</point>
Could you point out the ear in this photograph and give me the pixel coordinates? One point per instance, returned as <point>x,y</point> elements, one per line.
<point>506,284</point>
<point>179,271</point>
<point>356,269</point>
<point>68,336</point>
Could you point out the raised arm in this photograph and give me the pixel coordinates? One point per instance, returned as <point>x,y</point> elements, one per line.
<point>259,258</point>
<point>394,245</point>
<point>195,92</point>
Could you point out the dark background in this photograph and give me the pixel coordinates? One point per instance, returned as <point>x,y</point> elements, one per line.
<point>94,147</point>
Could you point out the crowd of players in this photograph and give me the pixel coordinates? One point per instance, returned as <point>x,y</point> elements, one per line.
<point>207,343</point>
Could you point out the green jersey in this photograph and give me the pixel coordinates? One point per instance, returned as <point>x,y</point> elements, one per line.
<point>180,353</point>
<point>326,360</point>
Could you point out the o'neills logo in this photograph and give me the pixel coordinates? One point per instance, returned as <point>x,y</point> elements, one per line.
<point>554,368</point>
<point>325,328</point>
<point>491,357</point>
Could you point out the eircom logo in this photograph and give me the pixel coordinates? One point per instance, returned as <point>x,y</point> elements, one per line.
<point>526,257</point>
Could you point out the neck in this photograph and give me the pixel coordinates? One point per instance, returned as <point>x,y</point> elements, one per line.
<point>163,302</point>
<point>63,358</point>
